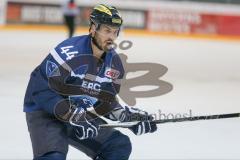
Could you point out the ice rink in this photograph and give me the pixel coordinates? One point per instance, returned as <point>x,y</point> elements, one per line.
<point>205,75</point>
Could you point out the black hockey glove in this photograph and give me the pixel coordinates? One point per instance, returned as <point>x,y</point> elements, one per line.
<point>127,114</point>
<point>144,127</point>
<point>84,125</point>
<point>74,111</point>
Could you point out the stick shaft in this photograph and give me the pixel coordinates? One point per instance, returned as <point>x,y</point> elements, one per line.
<point>196,118</point>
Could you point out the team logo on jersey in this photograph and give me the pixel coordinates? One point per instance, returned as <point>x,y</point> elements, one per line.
<point>91,85</point>
<point>52,69</point>
<point>111,73</point>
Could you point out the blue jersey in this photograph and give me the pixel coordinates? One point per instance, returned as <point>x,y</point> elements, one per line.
<point>70,69</point>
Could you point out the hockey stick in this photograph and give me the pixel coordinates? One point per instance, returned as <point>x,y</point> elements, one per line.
<point>196,118</point>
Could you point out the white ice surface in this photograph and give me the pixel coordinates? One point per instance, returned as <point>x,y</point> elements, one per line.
<point>206,79</point>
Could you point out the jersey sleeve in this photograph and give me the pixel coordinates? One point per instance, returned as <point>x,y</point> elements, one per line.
<point>43,95</point>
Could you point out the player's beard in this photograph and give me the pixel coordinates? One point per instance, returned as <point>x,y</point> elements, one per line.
<point>104,46</point>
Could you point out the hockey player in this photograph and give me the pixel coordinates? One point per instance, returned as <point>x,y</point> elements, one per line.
<point>75,84</point>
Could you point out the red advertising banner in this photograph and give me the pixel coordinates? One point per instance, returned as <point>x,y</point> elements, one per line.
<point>13,12</point>
<point>179,21</point>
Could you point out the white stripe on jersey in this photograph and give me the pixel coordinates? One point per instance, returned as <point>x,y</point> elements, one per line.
<point>60,60</point>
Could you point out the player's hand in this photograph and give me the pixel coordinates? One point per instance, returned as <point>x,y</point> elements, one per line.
<point>134,114</point>
<point>130,114</point>
<point>75,111</point>
<point>84,125</point>
<point>144,127</point>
